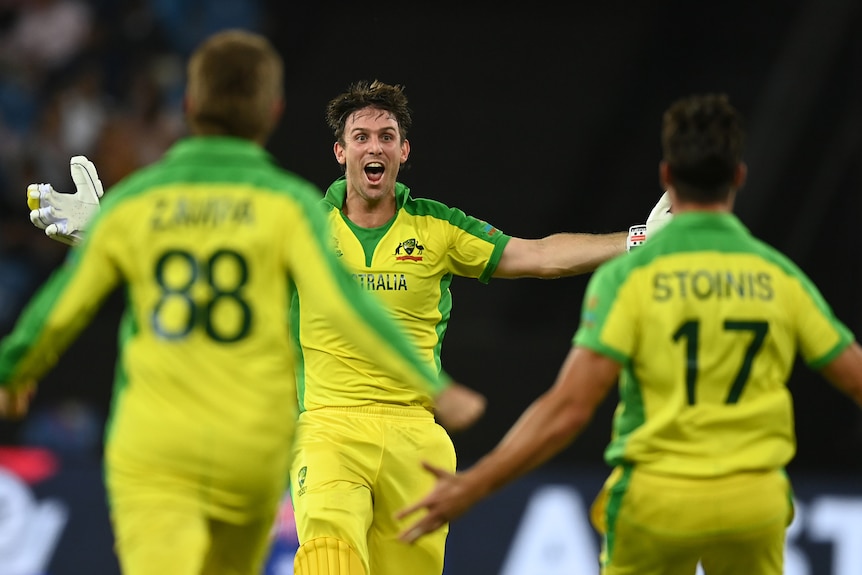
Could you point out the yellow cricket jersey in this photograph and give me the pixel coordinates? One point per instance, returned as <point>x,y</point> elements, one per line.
<point>209,243</point>
<point>408,264</point>
<point>706,321</point>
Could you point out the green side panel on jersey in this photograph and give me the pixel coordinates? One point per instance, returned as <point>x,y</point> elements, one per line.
<point>32,320</point>
<point>612,511</point>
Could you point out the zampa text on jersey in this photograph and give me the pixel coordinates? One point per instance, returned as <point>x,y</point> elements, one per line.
<point>202,212</point>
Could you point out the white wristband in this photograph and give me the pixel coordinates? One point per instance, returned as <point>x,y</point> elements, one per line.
<point>637,236</point>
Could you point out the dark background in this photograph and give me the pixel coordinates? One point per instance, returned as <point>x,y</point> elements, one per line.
<point>543,119</point>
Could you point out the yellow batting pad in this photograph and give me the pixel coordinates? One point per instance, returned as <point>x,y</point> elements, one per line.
<point>327,556</point>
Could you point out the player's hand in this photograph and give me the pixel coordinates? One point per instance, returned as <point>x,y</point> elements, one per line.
<point>15,401</point>
<point>659,216</point>
<point>458,407</point>
<point>65,216</point>
<point>449,499</point>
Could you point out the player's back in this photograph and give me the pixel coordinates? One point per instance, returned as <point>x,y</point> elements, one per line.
<point>207,369</point>
<point>714,321</point>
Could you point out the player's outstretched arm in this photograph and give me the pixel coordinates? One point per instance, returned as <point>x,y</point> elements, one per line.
<point>569,254</point>
<point>64,217</point>
<point>551,423</point>
<point>558,255</point>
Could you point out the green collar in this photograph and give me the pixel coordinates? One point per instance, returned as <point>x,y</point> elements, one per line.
<point>703,220</point>
<point>337,193</point>
<point>227,148</point>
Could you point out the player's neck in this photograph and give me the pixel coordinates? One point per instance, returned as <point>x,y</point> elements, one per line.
<point>369,212</point>
<point>716,207</point>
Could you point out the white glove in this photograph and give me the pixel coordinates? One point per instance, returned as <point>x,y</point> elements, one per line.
<point>65,216</point>
<point>657,219</point>
<point>659,216</point>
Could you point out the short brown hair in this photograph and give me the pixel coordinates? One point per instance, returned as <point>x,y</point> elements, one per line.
<point>364,94</point>
<point>702,138</point>
<point>235,81</point>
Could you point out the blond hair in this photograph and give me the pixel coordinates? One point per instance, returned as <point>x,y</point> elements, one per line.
<point>235,86</point>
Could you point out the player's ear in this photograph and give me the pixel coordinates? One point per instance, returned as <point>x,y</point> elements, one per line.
<point>339,152</point>
<point>405,150</point>
<point>277,110</point>
<point>665,177</point>
<point>739,175</point>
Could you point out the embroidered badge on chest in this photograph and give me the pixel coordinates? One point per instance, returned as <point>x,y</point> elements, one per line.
<point>409,250</point>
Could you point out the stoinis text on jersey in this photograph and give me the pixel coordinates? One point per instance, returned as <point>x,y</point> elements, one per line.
<point>706,284</point>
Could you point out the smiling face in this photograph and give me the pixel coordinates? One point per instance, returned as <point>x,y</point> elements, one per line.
<point>372,152</point>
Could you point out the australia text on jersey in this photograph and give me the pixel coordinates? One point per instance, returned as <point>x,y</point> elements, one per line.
<point>410,250</point>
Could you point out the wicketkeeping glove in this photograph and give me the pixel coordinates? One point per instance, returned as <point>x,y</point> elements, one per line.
<point>657,219</point>
<point>65,216</point>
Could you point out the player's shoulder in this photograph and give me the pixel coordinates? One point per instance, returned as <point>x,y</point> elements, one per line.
<point>433,213</point>
<point>768,252</point>
<point>129,186</point>
<point>284,181</point>
<point>420,206</point>
<point>416,205</point>
<point>619,267</point>
<point>436,213</point>
<point>262,177</point>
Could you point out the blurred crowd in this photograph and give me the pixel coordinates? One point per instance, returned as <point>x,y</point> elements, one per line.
<point>102,78</point>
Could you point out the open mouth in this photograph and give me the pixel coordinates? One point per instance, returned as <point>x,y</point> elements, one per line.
<point>374,171</point>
